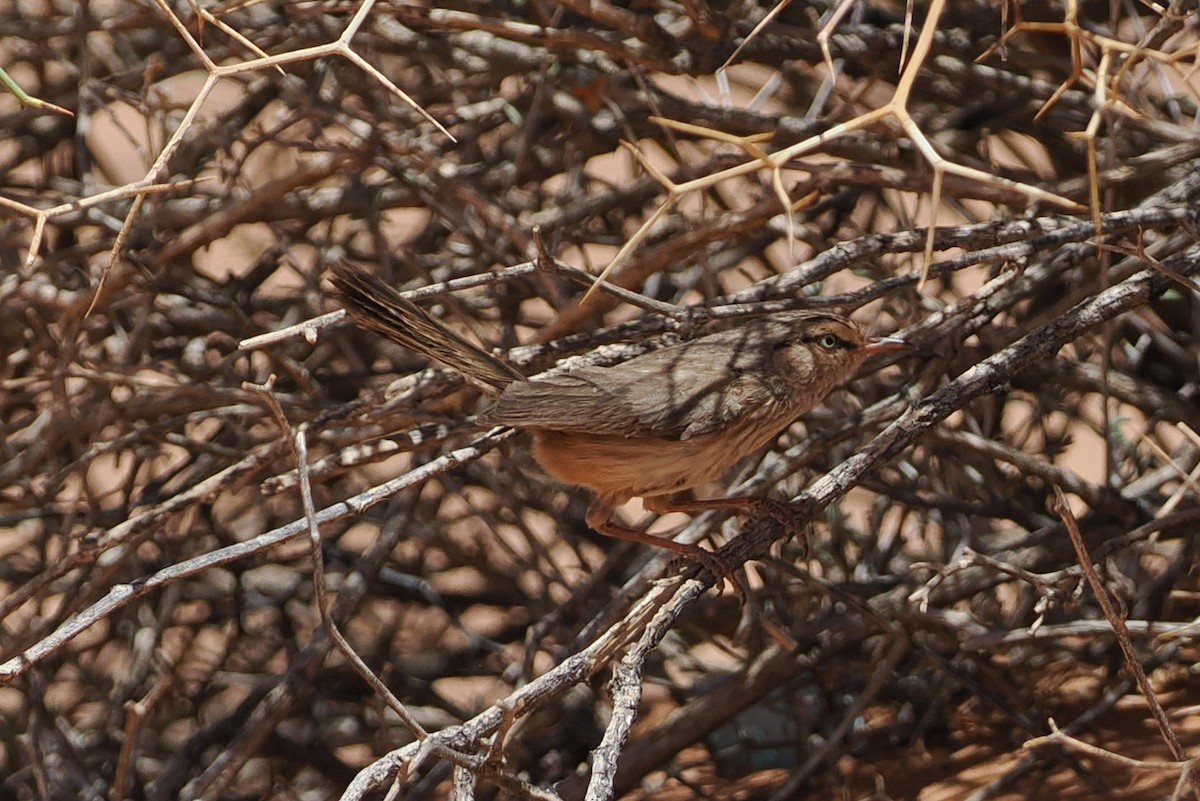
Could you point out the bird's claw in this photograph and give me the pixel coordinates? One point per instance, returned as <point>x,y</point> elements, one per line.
<point>786,515</point>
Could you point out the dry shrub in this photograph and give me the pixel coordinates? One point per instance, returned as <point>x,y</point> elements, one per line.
<point>157,603</point>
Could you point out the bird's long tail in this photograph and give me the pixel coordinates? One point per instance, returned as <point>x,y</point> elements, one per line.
<point>381,308</point>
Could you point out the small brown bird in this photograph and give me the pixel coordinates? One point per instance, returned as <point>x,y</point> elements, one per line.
<point>655,425</point>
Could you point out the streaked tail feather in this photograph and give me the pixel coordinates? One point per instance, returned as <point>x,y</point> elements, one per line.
<point>381,308</point>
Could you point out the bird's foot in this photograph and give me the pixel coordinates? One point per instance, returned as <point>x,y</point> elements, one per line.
<point>599,517</point>
<point>790,517</point>
<point>722,570</point>
<point>794,522</point>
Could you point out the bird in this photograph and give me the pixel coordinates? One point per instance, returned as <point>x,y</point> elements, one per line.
<point>655,425</point>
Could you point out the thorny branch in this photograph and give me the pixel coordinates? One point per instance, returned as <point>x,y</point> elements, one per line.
<point>160,628</point>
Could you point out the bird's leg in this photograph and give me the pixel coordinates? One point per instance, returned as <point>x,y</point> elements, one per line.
<point>794,523</point>
<point>600,519</point>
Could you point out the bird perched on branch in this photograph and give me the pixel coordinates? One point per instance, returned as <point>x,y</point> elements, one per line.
<point>655,425</point>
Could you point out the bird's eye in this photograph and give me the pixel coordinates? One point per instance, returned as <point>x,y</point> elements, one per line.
<point>829,342</point>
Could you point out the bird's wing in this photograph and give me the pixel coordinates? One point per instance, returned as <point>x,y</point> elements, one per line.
<point>574,403</point>
<point>675,393</point>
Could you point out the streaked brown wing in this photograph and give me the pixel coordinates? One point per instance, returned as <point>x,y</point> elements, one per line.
<point>673,393</point>
<point>572,403</point>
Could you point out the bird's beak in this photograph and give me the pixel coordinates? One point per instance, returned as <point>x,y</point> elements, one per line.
<point>875,345</point>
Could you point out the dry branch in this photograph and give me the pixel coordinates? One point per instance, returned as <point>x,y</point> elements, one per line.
<point>165,629</point>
